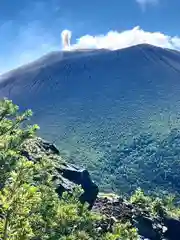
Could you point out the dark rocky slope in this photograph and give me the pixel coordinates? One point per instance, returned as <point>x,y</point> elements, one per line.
<point>152,228</point>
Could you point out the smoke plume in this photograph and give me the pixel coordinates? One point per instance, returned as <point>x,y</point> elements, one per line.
<point>66,39</point>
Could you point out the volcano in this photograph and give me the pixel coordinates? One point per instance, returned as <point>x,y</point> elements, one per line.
<point>86,100</point>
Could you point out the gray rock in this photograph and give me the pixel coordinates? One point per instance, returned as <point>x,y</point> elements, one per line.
<point>67,176</point>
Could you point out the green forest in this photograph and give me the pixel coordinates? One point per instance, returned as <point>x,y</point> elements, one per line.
<point>147,160</point>
<point>150,161</point>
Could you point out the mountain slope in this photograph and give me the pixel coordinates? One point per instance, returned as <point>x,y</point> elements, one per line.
<point>90,101</point>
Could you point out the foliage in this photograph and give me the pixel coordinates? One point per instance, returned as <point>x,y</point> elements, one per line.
<point>12,136</point>
<point>156,206</point>
<point>151,162</point>
<point>124,163</point>
<point>123,231</point>
<point>30,208</point>
<point>140,199</point>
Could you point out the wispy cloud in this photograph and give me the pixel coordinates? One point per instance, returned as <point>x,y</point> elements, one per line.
<point>145,3</point>
<point>117,40</point>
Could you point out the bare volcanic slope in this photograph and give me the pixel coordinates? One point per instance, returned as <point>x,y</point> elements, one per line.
<point>88,100</point>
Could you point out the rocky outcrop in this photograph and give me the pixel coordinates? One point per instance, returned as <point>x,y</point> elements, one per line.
<point>152,228</point>
<point>67,176</point>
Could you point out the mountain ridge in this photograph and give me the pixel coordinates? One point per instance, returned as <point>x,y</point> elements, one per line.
<point>63,55</point>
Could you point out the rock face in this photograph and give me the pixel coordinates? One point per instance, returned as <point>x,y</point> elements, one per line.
<point>81,177</point>
<point>68,176</point>
<point>152,228</point>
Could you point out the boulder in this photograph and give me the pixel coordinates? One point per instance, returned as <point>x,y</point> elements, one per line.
<point>72,175</point>
<point>67,176</point>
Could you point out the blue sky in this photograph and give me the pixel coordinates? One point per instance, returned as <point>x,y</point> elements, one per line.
<point>31,28</point>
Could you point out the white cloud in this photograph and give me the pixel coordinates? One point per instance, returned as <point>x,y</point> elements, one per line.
<point>117,40</point>
<point>144,3</point>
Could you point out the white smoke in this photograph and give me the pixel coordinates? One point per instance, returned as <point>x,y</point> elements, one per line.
<point>66,39</point>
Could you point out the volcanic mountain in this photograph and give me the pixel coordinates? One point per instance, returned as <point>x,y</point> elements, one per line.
<point>88,100</point>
